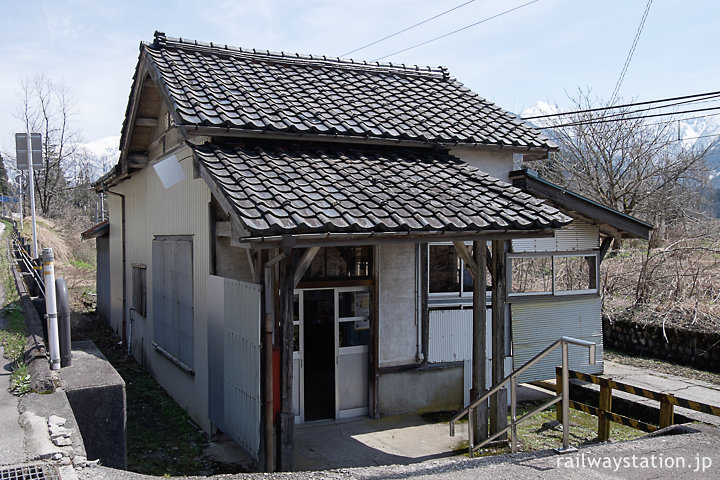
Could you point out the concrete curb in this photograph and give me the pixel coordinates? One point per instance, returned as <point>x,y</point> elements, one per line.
<point>41,380</point>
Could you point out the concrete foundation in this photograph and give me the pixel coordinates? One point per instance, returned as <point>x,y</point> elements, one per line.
<point>431,389</point>
<point>97,395</point>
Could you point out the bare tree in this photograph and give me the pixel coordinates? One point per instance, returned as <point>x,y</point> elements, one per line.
<point>622,159</point>
<point>47,109</point>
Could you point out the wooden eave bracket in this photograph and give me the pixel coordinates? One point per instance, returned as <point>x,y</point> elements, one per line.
<point>304,263</point>
<point>465,254</point>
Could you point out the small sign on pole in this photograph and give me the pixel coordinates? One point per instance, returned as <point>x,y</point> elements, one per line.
<point>32,150</point>
<point>21,148</point>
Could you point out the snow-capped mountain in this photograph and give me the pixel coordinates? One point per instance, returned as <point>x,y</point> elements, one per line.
<point>701,132</point>
<point>101,154</point>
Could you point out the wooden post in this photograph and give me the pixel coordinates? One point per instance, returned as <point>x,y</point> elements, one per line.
<point>667,411</point>
<point>478,343</point>
<point>558,391</point>
<point>605,405</point>
<point>287,417</point>
<point>498,402</point>
<point>267,371</point>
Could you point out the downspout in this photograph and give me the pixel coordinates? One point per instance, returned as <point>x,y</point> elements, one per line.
<point>419,357</point>
<point>124,262</point>
<point>267,359</point>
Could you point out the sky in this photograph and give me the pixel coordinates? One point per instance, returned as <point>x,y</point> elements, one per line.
<point>543,51</point>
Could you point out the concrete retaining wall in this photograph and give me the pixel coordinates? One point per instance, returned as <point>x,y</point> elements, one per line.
<point>685,347</point>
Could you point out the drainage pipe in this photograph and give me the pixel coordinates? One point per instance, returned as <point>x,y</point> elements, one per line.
<point>267,359</point>
<point>124,262</point>
<point>51,307</point>
<point>63,312</point>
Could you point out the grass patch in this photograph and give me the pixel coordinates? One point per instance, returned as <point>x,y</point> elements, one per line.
<point>540,433</point>
<point>20,380</point>
<point>80,264</point>
<point>161,437</point>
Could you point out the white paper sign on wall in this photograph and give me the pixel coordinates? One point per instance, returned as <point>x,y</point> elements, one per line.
<point>169,171</point>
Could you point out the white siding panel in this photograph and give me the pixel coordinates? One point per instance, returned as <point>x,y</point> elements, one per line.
<point>575,237</point>
<point>537,324</point>
<point>242,364</point>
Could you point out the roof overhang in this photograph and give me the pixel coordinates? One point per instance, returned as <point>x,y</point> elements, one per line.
<point>99,230</point>
<point>611,222</point>
<point>381,238</point>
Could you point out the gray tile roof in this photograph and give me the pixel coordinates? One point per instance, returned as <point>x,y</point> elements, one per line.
<point>220,86</point>
<point>330,189</point>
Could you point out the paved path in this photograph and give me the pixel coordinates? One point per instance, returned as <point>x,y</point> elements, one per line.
<point>688,388</point>
<point>12,437</point>
<point>674,457</point>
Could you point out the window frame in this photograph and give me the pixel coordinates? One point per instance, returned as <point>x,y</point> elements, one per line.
<point>554,293</point>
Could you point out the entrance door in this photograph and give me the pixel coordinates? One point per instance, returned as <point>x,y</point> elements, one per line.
<point>319,354</point>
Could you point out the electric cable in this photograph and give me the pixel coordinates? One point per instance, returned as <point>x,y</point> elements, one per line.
<point>406,29</point>
<point>631,52</point>
<point>456,31</point>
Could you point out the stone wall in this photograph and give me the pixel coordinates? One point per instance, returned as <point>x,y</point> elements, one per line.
<point>682,346</point>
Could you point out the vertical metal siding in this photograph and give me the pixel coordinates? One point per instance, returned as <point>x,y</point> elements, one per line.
<point>242,364</point>
<point>451,335</point>
<point>537,324</point>
<point>216,355</point>
<point>179,210</point>
<point>576,236</point>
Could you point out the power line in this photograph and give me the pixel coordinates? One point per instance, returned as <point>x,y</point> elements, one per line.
<point>405,29</point>
<point>456,31</point>
<point>631,52</point>
<point>600,120</point>
<point>635,104</point>
<point>660,107</point>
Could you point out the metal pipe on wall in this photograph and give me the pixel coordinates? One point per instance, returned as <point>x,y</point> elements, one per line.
<point>51,307</point>
<point>124,264</point>
<point>63,311</point>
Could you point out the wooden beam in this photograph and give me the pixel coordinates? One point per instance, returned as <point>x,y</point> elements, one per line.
<point>604,247</point>
<point>498,402</point>
<point>286,421</point>
<point>463,252</point>
<point>305,261</point>
<point>137,160</point>
<point>478,342</point>
<point>146,122</point>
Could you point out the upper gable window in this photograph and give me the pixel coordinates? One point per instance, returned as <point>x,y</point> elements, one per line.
<point>340,263</point>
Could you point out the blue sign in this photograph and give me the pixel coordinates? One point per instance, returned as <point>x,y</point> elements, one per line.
<point>4,199</point>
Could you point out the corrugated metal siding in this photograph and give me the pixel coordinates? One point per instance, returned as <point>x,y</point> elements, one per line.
<point>242,364</point>
<point>575,237</point>
<point>182,209</point>
<point>173,297</point>
<point>537,324</point>
<point>450,336</point>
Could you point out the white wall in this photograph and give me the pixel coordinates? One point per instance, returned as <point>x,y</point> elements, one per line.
<point>397,305</point>
<point>182,209</point>
<point>497,164</point>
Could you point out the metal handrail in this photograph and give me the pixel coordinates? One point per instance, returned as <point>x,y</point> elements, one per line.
<point>29,264</point>
<point>562,342</point>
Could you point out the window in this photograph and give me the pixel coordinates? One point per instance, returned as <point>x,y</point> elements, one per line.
<point>448,275</point>
<point>552,274</point>
<point>139,290</point>
<point>353,317</point>
<point>339,263</point>
<point>172,276</point>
